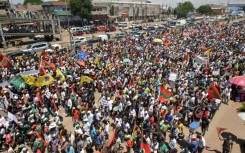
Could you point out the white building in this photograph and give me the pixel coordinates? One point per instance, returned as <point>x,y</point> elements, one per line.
<point>134,9</point>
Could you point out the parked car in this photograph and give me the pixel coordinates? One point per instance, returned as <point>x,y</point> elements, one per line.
<point>110,29</point>
<point>150,20</point>
<point>139,27</point>
<point>86,28</point>
<point>77,33</point>
<point>123,27</point>
<point>76,29</point>
<point>38,37</point>
<point>101,28</point>
<point>94,40</point>
<point>19,55</point>
<point>92,29</point>
<point>132,26</point>
<point>84,39</point>
<point>77,43</point>
<point>37,47</point>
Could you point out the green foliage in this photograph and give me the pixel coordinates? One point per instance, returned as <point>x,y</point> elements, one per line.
<point>112,10</point>
<point>205,9</point>
<point>184,8</point>
<point>242,108</point>
<point>82,8</point>
<point>36,2</point>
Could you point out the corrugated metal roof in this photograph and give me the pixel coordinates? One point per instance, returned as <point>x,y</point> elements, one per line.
<point>21,7</point>
<point>58,3</point>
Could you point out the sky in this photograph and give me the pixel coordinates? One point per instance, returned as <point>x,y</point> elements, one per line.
<point>173,3</point>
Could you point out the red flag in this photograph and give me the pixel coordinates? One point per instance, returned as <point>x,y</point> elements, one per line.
<point>164,95</point>
<point>213,92</point>
<point>81,63</point>
<point>144,145</point>
<point>46,64</point>
<point>42,71</point>
<point>131,84</point>
<point>219,130</point>
<point>113,138</point>
<point>5,61</point>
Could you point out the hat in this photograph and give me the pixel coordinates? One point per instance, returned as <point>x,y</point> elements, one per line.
<point>85,120</point>
<point>89,112</point>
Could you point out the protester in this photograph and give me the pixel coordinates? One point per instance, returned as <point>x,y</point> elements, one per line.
<point>148,90</point>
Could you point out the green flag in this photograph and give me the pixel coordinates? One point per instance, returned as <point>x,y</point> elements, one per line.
<point>18,82</point>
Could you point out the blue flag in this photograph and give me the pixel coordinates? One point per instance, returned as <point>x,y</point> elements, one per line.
<point>82,56</point>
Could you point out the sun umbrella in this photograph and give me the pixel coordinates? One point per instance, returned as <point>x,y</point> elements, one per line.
<point>239,81</point>
<point>126,60</point>
<point>157,41</point>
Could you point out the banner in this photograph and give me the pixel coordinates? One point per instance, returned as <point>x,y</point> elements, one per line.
<point>12,117</point>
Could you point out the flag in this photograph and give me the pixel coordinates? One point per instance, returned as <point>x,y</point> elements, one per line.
<point>42,71</point>
<point>82,56</point>
<point>60,75</point>
<point>46,64</point>
<point>213,92</point>
<point>44,80</point>
<point>18,82</point>
<point>208,53</point>
<point>113,138</point>
<point>28,79</point>
<point>164,95</point>
<point>5,61</point>
<point>145,146</point>
<point>81,63</point>
<point>219,130</point>
<point>131,84</point>
<point>97,60</point>
<point>85,79</point>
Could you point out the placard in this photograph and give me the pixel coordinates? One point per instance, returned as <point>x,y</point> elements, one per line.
<point>172,76</point>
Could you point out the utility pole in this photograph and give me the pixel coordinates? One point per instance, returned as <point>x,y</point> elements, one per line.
<point>2,35</point>
<point>68,23</point>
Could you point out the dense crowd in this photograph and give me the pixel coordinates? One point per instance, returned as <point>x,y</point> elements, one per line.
<point>129,76</point>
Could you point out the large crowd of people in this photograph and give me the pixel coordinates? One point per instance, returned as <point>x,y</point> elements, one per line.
<point>150,91</point>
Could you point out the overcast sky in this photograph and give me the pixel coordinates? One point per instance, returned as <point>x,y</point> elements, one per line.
<point>173,3</point>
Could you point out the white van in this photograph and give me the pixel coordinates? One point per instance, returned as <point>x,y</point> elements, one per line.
<point>103,37</point>
<point>180,23</point>
<point>74,29</point>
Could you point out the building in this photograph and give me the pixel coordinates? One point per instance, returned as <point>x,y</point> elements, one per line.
<point>131,9</point>
<point>57,7</point>
<point>218,9</point>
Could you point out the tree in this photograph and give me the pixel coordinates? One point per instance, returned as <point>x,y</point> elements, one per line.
<point>205,9</point>
<point>183,9</point>
<point>112,10</point>
<point>81,8</point>
<point>36,2</point>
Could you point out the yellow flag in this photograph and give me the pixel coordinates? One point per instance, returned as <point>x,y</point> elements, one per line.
<point>85,79</point>
<point>44,80</point>
<point>208,52</point>
<point>97,60</point>
<point>28,79</point>
<point>60,76</point>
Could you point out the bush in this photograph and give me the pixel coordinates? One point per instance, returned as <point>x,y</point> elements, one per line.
<point>242,108</point>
